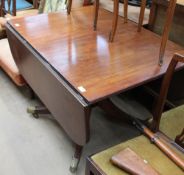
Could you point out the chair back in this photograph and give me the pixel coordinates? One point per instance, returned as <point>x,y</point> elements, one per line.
<point>164,91</point>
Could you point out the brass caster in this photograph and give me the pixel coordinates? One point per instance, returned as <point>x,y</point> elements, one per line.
<point>36,116</point>
<point>74,165</point>
<point>32,110</point>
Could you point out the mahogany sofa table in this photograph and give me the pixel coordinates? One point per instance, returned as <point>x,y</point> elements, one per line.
<point>72,68</point>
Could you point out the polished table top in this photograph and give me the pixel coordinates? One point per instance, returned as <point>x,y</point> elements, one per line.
<point>85,59</point>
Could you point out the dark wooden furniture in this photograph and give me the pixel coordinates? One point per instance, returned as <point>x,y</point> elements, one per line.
<point>157,17</point>
<point>73,68</point>
<point>164,91</point>
<point>156,20</point>
<point>94,168</point>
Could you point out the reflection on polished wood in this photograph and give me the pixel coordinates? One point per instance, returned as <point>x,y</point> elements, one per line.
<point>93,66</point>
<point>116,14</point>
<point>69,6</point>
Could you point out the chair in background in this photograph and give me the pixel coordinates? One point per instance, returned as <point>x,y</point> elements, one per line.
<point>12,6</point>
<point>10,10</point>
<point>167,25</point>
<point>7,62</point>
<point>169,127</point>
<point>163,95</point>
<point>2,28</point>
<point>116,14</point>
<point>156,19</point>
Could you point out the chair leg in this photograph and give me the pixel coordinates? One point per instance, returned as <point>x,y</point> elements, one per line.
<point>9,3</point>
<point>96,9</point>
<point>76,158</point>
<point>167,26</point>
<point>87,2</point>
<point>115,20</point>
<point>35,4</point>
<point>141,16</point>
<point>69,6</point>
<point>125,11</point>
<point>14,8</point>
<point>2,8</point>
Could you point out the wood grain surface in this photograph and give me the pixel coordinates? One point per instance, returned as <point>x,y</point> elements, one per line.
<point>86,59</point>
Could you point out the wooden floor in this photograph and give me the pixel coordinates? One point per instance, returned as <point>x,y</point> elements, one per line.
<point>86,59</point>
